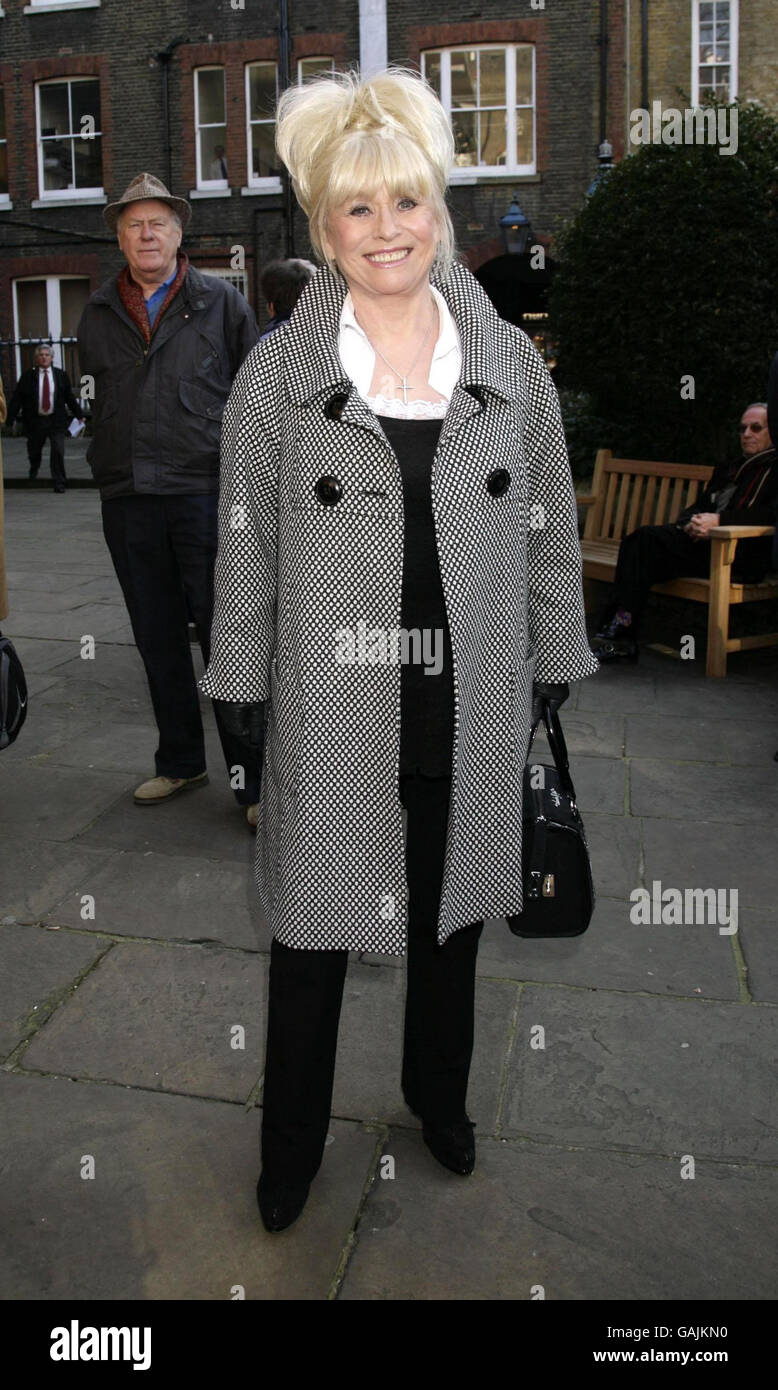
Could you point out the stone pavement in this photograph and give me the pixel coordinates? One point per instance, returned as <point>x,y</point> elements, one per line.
<point>132,949</point>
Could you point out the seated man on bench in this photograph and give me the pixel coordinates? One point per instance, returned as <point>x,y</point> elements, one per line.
<point>741,494</point>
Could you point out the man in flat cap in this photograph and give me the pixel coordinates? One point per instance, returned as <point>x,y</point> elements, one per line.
<point>162,344</point>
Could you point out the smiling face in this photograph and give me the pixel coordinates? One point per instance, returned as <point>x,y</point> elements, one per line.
<point>149,235</point>
<point>382,244</point>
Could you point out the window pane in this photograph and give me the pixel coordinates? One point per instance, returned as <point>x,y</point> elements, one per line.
<point>262,90</point>
<point>432,71</point>
<point>31,304</point>
<point>706,77</point>
<point>58,164</point>
<point>212,157</point>
<point>311,67</point>
<point>88,162</point>
<point>210,96</point>
<point>493,77</point>
<point>263,154</point>
<point>465,137</point>
<point>524,76</point>
<point>85,101</point>
<point>463,79</point>
<point>525,122</point>
<point>706,12</point>
<point>3,169</point>
<point>493,137</point>
<point>722,52</point>
<point>73,295</point>
<point>55,119</point>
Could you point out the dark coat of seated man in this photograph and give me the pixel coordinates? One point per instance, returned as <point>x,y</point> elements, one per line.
<point>743,494</point>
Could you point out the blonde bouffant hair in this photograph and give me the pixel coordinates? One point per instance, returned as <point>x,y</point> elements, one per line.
<point>340,135</point>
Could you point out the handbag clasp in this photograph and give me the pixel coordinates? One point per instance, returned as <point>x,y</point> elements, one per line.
<point>549,889</point>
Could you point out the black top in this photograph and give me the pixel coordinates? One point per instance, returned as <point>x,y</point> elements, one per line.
<point>427,700</point>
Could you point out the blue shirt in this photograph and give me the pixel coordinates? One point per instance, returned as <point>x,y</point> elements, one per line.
<point>154,302</point>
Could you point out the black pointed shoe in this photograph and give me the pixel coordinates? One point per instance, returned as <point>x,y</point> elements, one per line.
<point>615,641</point>
<point>452,1145</point>
<point>280,1203</point>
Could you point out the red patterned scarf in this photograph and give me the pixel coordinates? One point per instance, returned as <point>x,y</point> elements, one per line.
<point>132,298</point>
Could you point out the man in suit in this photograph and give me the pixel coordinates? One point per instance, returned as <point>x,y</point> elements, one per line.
<point>43,396</point>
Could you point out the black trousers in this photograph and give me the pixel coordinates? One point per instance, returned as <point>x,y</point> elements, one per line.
<point>163,549</point>
<point>306,991</point>
<point>651,555</point>
<point>36,439</point>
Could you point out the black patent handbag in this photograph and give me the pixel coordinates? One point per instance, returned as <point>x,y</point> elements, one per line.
<point>557,874</point>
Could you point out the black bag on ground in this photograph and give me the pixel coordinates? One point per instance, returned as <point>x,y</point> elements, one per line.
<point>558,888</point>
<point>13,693</point>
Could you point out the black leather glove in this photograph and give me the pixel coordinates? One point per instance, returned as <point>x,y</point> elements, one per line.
<point>543,691</point>
<point>243,721</point>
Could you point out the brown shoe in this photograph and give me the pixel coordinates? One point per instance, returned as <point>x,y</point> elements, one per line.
<point>162,788</point>
<point>252,816</point>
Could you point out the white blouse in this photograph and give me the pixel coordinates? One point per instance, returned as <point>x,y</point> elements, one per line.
<point>357,359</point>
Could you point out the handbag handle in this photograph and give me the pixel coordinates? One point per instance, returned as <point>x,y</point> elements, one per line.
<point>556,742</point>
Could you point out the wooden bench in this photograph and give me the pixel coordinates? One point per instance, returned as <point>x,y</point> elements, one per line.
<point>627,493</point>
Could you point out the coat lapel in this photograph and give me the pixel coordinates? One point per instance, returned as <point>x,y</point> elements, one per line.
<point>314,368</point>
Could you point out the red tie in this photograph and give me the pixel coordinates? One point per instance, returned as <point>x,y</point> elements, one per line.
<point>45,395</point>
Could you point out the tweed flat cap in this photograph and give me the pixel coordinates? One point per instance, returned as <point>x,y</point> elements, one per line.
<point>146,186</point>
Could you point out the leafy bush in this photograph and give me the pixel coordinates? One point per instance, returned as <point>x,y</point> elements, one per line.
<point>668,271</point>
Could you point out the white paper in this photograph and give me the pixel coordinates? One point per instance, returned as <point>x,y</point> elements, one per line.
<point>76,427</point>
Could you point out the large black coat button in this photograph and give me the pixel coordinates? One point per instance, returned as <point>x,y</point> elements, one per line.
<point>328,490</point>
<point>498,482</point>
<point>335,405</point>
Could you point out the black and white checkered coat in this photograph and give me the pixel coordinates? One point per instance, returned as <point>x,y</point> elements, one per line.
<point>293,570</point>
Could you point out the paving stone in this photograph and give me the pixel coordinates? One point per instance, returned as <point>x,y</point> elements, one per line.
<point>600,785</point>
<point>55,803</point>
<point>171,1212</point>
<point>93,619</point>
<point>613,953</point>
<point>705,854</point>
<point>171,897</point>
<point>719,740</point>
<point>204,821</point>
<point>759,944</point>
<point>162,1017</point>
<point>36,965</point>
<point>34,873</point>
<point>581,1225</point>
<point>645,1073</point>
<point>614,850</point>
<point>618,691</point>
<point>369,1062</point>
<point>39,655</point>
<point>705,697</point>
<point>586,734</point>
<point>680,791</point>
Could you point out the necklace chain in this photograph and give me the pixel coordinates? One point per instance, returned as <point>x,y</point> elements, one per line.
<point>403,376</point>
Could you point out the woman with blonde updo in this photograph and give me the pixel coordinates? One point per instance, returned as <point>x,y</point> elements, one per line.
<point>398,563</point>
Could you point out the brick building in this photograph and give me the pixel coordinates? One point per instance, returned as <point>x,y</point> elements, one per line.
<point>93,91</point>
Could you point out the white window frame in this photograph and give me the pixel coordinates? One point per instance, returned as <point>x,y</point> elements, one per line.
<point>60,195</point>
<point>313,58</point>
<point>734,36</point>
<point>469,173</point>
<point>208,185</point>
<point>238,278</point>
<point>44,6</point>
<point>53,315</point>
<point>266,183</point>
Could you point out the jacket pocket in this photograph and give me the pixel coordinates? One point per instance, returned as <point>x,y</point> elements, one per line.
<point>200,401</point>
